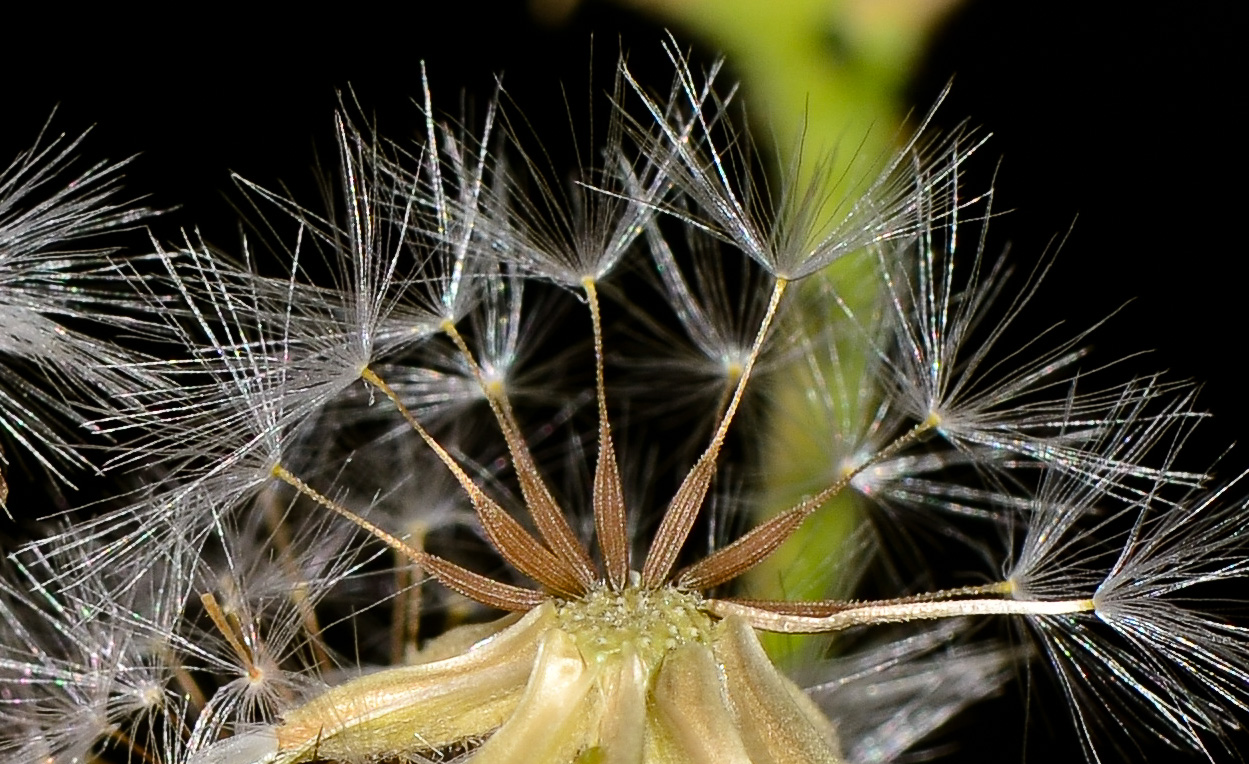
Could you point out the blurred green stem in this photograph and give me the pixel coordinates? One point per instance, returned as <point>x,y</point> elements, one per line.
<point>831,74</point>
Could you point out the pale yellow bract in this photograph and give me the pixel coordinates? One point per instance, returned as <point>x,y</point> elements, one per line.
<point>541,690</point>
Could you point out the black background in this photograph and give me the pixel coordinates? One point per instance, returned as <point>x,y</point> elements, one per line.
<point>1119,115</point>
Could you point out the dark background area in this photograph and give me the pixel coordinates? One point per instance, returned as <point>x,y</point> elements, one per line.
<point>1120,119</point>
<point>1119,115</point>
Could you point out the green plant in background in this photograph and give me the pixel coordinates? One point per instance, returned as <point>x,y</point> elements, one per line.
<point>824,78</point>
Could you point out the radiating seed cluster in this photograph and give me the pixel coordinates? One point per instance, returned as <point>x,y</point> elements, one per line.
<point>313,469</point>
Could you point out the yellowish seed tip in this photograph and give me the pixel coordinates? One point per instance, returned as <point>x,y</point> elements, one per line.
<point>651,621</point>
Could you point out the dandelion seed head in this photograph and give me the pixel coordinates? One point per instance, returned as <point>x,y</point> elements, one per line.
<point>348,463</point>
<point>50,275</point>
